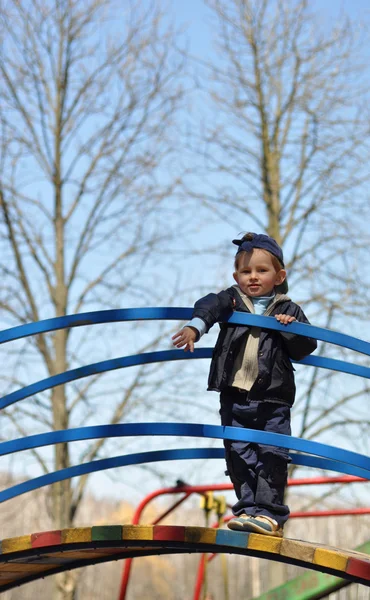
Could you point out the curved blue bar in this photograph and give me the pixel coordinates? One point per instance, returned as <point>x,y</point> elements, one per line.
<point>335,365</point>
<point>160,356</point>
<point>109,463</point>
<point>143,314</point>
<point>155,456</point>
<point>317,455</point>
<point>94,318</point>
<point>307,460</point>
<point>188,430</point>
<point>100,367</point>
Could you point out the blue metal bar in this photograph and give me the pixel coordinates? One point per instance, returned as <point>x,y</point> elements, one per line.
<point>143,314</point>
<point>94,318</point>
<point>187,430</point>
<point>335,365</point>
<point>159,455</point>
<point>160,356</point>
<point>321,456</point>
<point>100,367</point>
<point>307,460</point>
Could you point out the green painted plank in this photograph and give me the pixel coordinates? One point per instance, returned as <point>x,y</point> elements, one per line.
<point>106,533</point>
<point>310,586</point>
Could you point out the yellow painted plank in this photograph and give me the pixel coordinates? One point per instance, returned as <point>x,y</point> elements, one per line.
<point>298,550</point>
<point>137,532</point>
<point>330,558</point>
<point>16,544</point>
<point>200,535</point>
<point>78,534</point>
<point>264,543</point>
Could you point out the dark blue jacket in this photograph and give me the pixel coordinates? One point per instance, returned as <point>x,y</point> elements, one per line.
<point>275,380</point>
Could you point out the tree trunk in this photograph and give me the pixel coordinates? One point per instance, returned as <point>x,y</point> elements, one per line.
<point>66,586</point>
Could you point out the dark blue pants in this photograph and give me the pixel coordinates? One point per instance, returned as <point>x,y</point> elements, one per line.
<point>258,472</point>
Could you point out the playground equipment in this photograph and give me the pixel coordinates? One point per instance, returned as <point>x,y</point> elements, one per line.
<point>33,556</point>
<point>30,557</point>
<point>207,492</point>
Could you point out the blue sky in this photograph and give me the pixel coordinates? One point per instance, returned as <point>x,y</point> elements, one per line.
<point>196,15</point>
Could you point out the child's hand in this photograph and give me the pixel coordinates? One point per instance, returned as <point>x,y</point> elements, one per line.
<point>285,319</point>
<point>185,337</point>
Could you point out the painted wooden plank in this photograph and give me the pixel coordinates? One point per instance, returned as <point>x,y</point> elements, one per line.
<point>264,543</point>
<point>360,568</point>
<point>106,533</point>
<point>200,535</point>
<point>16,544</point>
<point>173,533</point>
<point>226,537</point>
<point>46,538</point>
<point>137,532</point>
<point>79,534</point>
<point>331,558</point>
<point>297,550</point>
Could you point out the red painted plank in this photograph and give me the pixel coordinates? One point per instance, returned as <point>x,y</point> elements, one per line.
<point>173,533</point>
<point>360,568</point>
<point>46,538</point>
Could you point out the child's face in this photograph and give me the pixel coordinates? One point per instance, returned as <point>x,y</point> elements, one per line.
<point>256,274</point>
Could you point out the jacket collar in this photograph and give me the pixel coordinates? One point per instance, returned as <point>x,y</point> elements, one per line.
<point>249,304</point>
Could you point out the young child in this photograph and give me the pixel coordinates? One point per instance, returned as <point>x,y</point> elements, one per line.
<point>251,369</point>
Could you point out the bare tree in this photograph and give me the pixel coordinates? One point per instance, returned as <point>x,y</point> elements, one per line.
<point>89,95</point>
<point>286,151</point>
<point>291,133</point>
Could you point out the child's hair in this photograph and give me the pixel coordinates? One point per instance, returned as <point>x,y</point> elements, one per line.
<point>247,238</point>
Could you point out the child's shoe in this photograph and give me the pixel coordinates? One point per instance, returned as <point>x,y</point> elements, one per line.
<point>263,524</point>
<point>239,523</point>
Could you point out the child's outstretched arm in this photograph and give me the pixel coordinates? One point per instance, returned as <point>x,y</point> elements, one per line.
<point>207,311</point>
<point>185,337</point>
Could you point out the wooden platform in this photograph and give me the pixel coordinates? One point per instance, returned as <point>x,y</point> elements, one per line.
<point>30,557</point>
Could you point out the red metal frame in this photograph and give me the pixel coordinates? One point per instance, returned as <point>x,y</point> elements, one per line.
<point>188,490</point>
